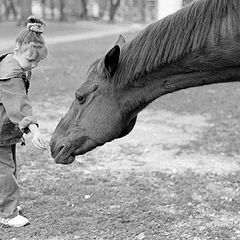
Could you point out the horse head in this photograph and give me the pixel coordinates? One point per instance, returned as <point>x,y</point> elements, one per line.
<point>97,114</point>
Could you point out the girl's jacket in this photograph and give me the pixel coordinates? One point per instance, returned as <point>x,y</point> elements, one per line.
<point>15,107</point>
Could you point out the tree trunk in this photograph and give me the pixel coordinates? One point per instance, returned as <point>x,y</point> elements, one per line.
<point>77,8</point>
<point>84,12</point>
<point>26,11</point>
<point>103,5</point>
<point>0,10</point>
<point>43,6</point>
<point>6,12</point>
<point>52,7</point>
<point>114,4</point>
<point>63,16</point>
<point>12,8</point>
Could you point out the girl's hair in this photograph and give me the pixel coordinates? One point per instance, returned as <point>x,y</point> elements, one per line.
<point>32,36</point>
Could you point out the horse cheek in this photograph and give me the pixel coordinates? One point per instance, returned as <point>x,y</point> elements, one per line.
<point>104,125</point>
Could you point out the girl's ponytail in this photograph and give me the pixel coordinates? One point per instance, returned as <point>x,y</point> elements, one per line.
<point>32,32</point>
<point>31,38</point>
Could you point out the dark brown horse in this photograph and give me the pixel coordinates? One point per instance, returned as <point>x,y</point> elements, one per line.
<point>198,45</point>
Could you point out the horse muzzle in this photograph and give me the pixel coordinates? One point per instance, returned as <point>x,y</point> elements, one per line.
<point>64,152</point>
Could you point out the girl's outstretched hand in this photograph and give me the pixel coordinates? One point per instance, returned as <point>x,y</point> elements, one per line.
<point>37,138</point>
<point>38,142</point>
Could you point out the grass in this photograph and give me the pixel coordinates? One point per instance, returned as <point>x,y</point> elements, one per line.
<point>68,204</point>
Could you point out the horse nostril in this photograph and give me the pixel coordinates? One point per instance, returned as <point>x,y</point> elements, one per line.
<point>60,148</point>
<point>56,148</point>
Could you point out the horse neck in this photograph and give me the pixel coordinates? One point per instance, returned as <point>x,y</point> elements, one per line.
<point>213,64</point>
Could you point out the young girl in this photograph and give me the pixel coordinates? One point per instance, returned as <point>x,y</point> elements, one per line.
<point>16,116</point>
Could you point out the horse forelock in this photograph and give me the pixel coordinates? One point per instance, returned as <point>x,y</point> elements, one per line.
<point>191,28</point>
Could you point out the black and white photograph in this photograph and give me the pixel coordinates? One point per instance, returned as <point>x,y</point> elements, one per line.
<point>119,119</point>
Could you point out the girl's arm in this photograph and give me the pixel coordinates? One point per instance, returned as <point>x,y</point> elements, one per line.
<point>18,107</point>
<point>16,103</point>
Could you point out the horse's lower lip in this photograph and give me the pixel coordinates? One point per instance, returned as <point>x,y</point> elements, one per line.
<point>66,160</point>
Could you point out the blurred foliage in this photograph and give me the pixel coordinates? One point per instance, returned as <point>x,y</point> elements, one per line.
<point>68,10</point>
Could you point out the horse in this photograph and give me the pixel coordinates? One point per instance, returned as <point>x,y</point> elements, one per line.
<point>195,46</point>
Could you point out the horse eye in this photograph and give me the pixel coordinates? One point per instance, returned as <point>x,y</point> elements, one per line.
<point>81,99</point>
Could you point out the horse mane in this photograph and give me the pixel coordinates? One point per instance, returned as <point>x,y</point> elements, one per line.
<point>187,30</point>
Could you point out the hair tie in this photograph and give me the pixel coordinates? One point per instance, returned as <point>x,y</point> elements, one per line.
<point>35,27</point>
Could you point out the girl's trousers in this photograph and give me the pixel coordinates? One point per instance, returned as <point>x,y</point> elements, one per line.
<point>9,190</point>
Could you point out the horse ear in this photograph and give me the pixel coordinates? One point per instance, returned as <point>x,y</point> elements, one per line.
<point>111,60</point>
<point>121,41</point>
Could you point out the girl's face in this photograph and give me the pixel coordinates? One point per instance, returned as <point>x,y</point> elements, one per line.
<point>25,62</point>
<point>28,57</point>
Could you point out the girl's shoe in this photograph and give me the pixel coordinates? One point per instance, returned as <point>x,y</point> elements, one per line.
<point>18,221</point>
